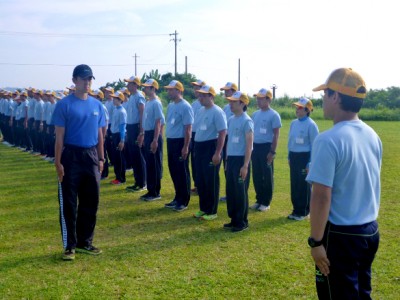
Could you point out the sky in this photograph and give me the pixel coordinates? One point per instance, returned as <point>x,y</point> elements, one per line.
<point>291,44</point>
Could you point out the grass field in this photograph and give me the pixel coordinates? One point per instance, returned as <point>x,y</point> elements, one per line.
<point>154,253</point>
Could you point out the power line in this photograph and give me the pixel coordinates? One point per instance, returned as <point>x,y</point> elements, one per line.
<point>77,35</point>
<point>64,65</point>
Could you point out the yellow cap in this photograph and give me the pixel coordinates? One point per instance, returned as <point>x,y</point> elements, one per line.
<point>118,95</point>
<point>344,81</point>
<point>264,93</point>
<point>134,79</point>
<point>151,82</point>
<point>304,102</point>
<point>175,84</point>
<point>229,86</point>
<point>239,96</point>
<point>206,89</point>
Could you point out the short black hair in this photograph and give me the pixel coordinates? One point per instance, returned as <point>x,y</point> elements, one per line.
<point>349,103</point>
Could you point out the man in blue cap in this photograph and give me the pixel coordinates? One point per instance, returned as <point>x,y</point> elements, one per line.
<point>79,120</point>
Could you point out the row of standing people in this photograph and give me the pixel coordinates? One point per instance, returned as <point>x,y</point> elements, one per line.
<point>344,172</point>
<point>193,129</point>
<point>26,120</point>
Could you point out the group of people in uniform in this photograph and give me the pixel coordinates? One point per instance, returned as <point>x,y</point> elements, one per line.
<point>125,129</point>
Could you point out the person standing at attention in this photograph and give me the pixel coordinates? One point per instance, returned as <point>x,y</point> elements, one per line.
<point>196,105</point>
<point>344,172</point>
<point>135,134</point>
<point>210,125</point>
<point>229,88</point>
<point>79,157</point>
<point>118,132</point>
<point>153,120</point>
<point>267,124</point>
<point>302,134</point>
<point>239,148</point>
<point>179,132</point>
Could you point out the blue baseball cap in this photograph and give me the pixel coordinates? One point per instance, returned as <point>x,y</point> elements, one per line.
<point>83,71</point>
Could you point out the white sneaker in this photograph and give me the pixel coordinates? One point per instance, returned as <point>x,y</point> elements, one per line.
<point>263,208</point>
<point>255,206</point>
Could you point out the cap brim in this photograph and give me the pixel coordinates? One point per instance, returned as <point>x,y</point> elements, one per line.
<point>320,88</point>
<point>232,99</point>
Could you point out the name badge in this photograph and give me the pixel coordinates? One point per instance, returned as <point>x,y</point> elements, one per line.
<point>203,127</point>
<point>263,130</point>
<point>299,141</point>
<point>173,121</point>
<point>235,140</point>
<point>95,113</point>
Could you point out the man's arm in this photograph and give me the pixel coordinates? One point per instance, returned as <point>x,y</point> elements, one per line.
<point>319,211</point>
<point>274,145</point>
<point>157,131</point>
<point>59,145</point>
<point>188,136</point>
<point>100,148</point>
<point>249,148</point>
<point>140,137</point>
<point>216,159</point>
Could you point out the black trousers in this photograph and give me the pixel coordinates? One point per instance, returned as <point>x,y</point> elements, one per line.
<point>30,133</point>
<point>78,195</point>
<point>134,154</point>
<point>109,148</point>
<point>154,163</point>
<point>351,251</point>
<point>193,158</point>
<point>50,140</point>
<point>119,159</point>
<point>300,189</point>
<point>207,178</point>
<point>179,170</point>
<point>237,199</point>
<point>263,174</point>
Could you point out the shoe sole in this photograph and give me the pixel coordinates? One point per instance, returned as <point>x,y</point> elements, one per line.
<point>236,230</point>
<point>80,250</point>
<point>68,258</point>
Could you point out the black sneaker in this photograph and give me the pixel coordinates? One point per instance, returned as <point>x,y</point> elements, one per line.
<point>92,250</point>
<point>152,198</point>
<point>69,254</point>
<point>136,188</point>
<point>228,226</point>
<point>172,204</point>
<point>179,207</point>
<point>239,229</point>
<point>143,197</point>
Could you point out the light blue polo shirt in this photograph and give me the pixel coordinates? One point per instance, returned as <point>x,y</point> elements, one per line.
<point>119,117</point>
<point>39,110</point>
<point>81,120</point>
<point>110,107</point>
<point>31,107</point>
<point>302,134</point>
<point>348,158</point>
<point>264,124</point>
<point>50,112</point>
<point>178,116</point>
<point>132,107</point>
<point>227,111</point>
<point>208,123</point>
<point>196,105</point>
<point>238,127</point>
<point>152,111</point>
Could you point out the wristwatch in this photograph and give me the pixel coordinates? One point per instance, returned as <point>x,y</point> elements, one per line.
<point>313,243</point>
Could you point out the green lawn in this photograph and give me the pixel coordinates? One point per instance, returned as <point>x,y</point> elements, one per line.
<point>154,253</point>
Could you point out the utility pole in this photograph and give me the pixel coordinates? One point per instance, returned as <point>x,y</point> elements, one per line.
<point>175,39</point>
<point>135,63</point>
<point>185,64</point>
<point>273,87</point>
<point>239,75</point>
